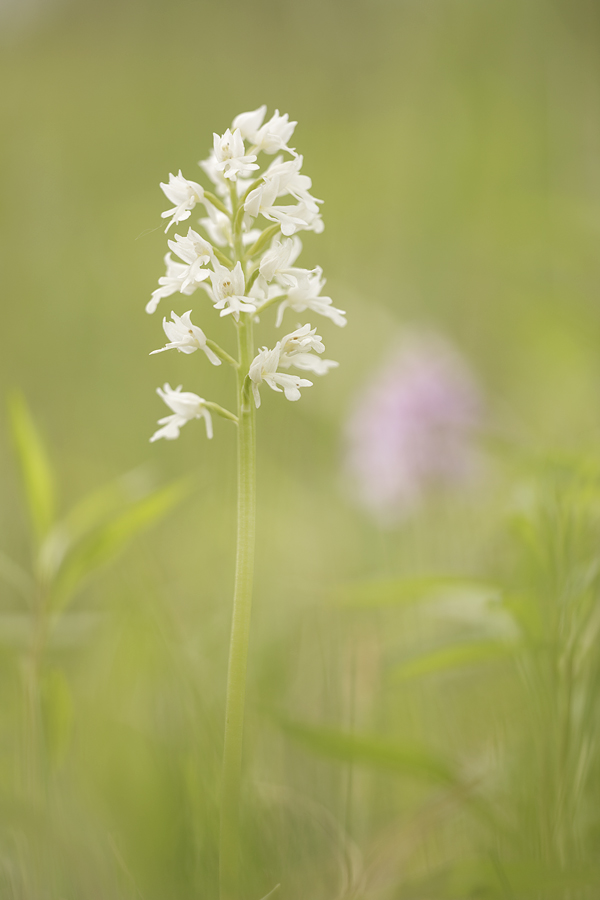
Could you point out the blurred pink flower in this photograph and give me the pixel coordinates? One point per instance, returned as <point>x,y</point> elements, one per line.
<point>412,428</point>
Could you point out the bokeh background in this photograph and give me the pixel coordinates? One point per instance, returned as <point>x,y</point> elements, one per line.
<point>456,146</point>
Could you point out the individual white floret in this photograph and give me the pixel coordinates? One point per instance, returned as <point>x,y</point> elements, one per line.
<point>186,406</point>
<point>264,369</point>
<point>274,135</point>
<point>302,340</point>
<point>291,181</point>
<point>280,257</point>
<point>306,295</point>
<point>186,337</point>
<point>184,194</point>
<point>297,349</point>
<point>277,262</point>
<point>262,198</point>
<point>270,137</point>
<point>308,362</point>
<point>292,218</point>
<point>282,178</point>
<point>249,123</point>
<point>230,155</point>
<point>261,201</point>
<point>295,218</point>
<point>222,185</point>
<point>228,289</point>
<point>171,283</point>
<point>196,252</point>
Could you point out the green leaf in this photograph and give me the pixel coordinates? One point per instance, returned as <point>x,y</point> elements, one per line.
<point>57,712</point>
<point>405,591</point>
<point>36,471</point>
<point>104,543</point>
<point>456,656</point>
<point>371,751</point>
<point>103,502</point>
<point>88,514</point>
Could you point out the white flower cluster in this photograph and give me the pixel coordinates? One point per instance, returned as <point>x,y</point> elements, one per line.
<point>244,262</point>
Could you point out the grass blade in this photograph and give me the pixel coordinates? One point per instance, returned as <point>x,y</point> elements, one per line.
<point>104,543</point>
<point>371,751</point>
<point>455,656</point>
<point>36,471</point>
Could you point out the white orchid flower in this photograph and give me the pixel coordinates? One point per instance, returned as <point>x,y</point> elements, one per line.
<point>274,135</point>
<point>228,289</point>
<point>186,337</point>
<point>306,295</point>
<point>297,349</point>
<point>269,138</point>
<point>291,181</point>
<point>230,155</point>
<point>263,368</point>
<point>186,406</point>
<point>171,283</point>
<point>248,123</point>
<point>184,194</point>
<point>196,252</point>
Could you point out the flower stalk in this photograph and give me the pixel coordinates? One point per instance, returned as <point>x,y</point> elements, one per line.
<point>240,628</point>
<point>244,269</point>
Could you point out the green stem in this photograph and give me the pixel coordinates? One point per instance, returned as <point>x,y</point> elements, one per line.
<point>240,628</point>
<point>279,299</point>
<point>236,222</point>
<point>212,198</point>
<point>222,354</point>
<point>252,278</point>
<point>229,840</point>
<point>223,258</point>
<point>220,411</point>
<point>262,241</point>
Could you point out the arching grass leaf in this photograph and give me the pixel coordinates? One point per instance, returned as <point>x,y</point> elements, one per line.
<point>456,656</point>
<point>36,471</point>
<point>405,591</point>
<point>105,543</point>
<point>371,751</point>
<point>95,509</point>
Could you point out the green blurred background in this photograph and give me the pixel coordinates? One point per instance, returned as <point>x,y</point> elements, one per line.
<point>455,144</point>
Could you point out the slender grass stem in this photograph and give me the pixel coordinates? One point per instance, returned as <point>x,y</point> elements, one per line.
<point>32,669</point>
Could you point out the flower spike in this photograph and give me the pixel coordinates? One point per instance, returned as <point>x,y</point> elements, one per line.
<point>244,259</point>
